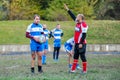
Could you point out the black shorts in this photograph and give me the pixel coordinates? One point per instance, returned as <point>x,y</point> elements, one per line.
<point>80,52</point>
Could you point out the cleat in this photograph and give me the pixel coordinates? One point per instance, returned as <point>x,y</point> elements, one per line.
<point>32,70</point>
<point>43,63</point>
<point>72,71</point>
<point>41,71</point>
<point>56,60</point>
<point>84,72</point>
<point>79,68</point>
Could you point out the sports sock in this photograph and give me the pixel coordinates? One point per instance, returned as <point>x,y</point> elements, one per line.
<point>32,69</point>
<point>45,57</point>
<point>84,64</point>
<point>74,64</point>
<point>42,59</point>
<point>39,68</point>
<point>77,65</point>
<point>70,65</point>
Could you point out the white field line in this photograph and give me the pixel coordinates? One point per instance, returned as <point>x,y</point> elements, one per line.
<point>11,67</point>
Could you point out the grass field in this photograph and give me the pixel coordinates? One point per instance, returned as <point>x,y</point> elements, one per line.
<point>100,32</point>
<point>100,67</point>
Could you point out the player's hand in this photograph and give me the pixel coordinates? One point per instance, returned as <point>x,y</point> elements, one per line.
<point>71,53</point>
<point>36,39</point>
<point>45,40</point>
<point>80,45</point>
<point>66,7</point>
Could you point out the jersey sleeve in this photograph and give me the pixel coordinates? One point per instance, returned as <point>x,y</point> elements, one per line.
<point>28,28</point>
<point>71,15</point>
<point>84,27</point>
<point>28,32</point>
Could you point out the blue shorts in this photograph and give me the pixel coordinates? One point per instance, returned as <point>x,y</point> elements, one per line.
<point>57,43</point>
<point>68,47</point>
<point>45,45</point>
<point>36,47</point>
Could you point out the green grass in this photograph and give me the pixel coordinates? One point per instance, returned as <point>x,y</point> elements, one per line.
<point>100,32</point>
<point>100,67</point>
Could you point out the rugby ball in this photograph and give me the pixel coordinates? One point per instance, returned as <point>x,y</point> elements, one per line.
<point>42,38</point>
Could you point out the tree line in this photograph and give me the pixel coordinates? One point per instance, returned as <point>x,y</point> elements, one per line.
<point>54,9</point>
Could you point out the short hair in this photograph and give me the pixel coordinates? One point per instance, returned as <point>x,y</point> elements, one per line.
<point>81,15</point>
<point>36,15</point>
<point>58,24</point>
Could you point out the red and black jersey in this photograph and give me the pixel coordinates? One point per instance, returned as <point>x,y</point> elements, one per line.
<point>80,30</point>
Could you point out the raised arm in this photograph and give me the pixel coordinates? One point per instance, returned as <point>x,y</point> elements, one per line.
<point>70,12</point>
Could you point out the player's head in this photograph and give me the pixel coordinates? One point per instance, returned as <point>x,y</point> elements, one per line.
<point>44,26</point>
<point>36,18</point>
<point>80,18</point>
<point>58,26</point>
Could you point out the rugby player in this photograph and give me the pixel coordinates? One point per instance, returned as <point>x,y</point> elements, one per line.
<point>68,45</point>
<point>33,32</point>
<point>47,35</point>
<point>57,33</point>
<point>80,40</point>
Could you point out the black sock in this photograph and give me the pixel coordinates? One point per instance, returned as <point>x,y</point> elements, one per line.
<point>39,68</point>
<point>32,69</point>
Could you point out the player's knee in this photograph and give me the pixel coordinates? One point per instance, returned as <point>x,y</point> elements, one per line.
<point>39,57</point>
<point>76,57</point>
<point>33,58</point>
<point>83,59</point>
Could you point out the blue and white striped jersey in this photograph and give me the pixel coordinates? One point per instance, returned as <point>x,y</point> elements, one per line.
<point>46,32</point>
<point>35,30</point>
<point>57,34</point>
<point>70,41</point>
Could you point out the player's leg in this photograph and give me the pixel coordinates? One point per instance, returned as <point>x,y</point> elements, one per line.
<point>45,53</point>
<point>76,57</point>
<point>33,56</point>
<point>58,50</point>
<point>84,61</point>
<point>68,49</point>
<point>54,53</point>
<point>44,56</point>
<point>70,59</point>
<point>57,55</point>
<point>39,56</point>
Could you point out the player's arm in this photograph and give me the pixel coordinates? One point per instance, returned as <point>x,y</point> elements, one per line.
<point>28,35</point>
<point>62,34</point>
<point>83,38</point>
<point>31,37</point>
<point>84,33</point>
<point>28,32</point>
<point>70,12</point>
<point>51,33</point>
